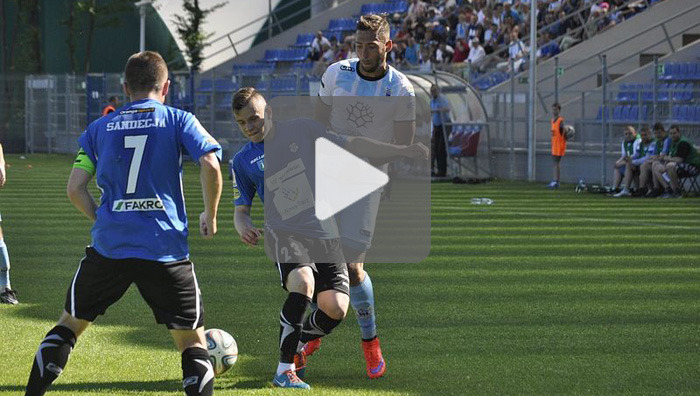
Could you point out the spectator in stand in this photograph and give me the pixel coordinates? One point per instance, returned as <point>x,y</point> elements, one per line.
<point>644,151</point>
<point>350,42</point>
<point>549,47</point>
<point>426,60</point>
<point>343,52</point>
<point>412,53</point>
<point>317,46</point>
<point>508,11</point>
<point>461,52</point>
<point>417,9</point>
<point>490,35</point>
<point>444,53</point>
<point>516,52</point>
<point>629,147</point>
<point>476,54</point>
<point>682,158</point>
<point>662,145</point>
<point>326,59</point>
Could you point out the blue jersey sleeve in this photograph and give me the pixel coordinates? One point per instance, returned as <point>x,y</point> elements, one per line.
<point>243,187</point>
<point>86,142</point>
<point>196,140</point>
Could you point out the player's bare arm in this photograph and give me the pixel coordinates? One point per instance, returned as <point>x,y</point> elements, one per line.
<point>243,222</point>
<point>78,193</point>
<point>210,177</point>
<point>378,150</point>
<point>404,132</point>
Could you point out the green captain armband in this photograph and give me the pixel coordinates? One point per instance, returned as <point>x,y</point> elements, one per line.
<point>82,161</point>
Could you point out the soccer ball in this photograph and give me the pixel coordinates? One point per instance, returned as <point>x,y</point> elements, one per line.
<point>569,132</point>
<point>222,348</point>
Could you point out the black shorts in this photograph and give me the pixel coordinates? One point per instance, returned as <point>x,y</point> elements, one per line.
<point>323,256</point>
<point>327,276</point>
<point>170,289</point>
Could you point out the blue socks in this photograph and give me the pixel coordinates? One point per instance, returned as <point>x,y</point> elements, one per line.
<point>4,266</point>
<point>362,300</point>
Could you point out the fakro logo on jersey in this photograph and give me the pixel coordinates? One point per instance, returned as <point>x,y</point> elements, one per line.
<point>137,205</point>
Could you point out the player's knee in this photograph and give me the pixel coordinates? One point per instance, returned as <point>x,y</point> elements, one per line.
<point>301,280</point>
<point>339,308</point>
<point>671,167</point>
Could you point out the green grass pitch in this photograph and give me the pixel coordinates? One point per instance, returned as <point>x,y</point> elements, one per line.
<point>542,293</point>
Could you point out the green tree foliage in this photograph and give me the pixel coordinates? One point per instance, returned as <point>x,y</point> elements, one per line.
<point>191,32</point>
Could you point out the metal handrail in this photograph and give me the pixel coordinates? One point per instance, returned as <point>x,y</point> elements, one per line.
<point>270,17</point>
<point>583,27</point>
<point>618,43</point>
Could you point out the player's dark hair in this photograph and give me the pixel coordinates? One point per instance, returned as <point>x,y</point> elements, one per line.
<point>557,105</point>
<point>145,72</point>
<point>374,23</point>
<point>113,99</point>
<point>243,96</point>
<point>658,126</point>
<point>645,128</point>
<point>675,126</point>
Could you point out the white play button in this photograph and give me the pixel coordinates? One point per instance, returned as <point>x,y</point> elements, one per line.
<point>342,179</point>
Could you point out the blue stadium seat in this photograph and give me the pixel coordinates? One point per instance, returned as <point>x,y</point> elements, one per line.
<point>617,113</point>
<point>225,85</point>
<point>648,93</point>
<point>206,85</point>
<point>625,113</point>
<point>304,40</point>
<point>633,113</point>
<point>599,116</point>
<point>225,102</point>
<point>690,114</point>
<point>697,114</point>
<point>622,95</point>
<point>662,93</point>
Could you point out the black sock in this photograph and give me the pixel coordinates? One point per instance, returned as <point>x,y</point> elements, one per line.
<point>291,323</point>
<point>317,325</point>
<point>50,359</point>
<point>197,372</point>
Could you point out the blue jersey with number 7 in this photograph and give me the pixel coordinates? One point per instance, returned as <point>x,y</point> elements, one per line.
<point>137,152</point>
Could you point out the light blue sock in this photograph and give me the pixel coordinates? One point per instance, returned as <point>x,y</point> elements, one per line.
<point>362,300</point>
<point>4,266</point>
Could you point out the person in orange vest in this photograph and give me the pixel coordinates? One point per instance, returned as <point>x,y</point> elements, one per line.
<point>558,143</point>
<point>111,106</point>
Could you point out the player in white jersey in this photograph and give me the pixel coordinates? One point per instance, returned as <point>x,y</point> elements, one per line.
<point>384,120</point>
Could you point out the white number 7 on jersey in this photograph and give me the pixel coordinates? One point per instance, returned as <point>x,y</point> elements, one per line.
<point>138,143</point>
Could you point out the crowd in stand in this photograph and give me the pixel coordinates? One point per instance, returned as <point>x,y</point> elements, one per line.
<point>486,33</point>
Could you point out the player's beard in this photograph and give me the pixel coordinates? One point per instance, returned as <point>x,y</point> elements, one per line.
<point>374,67</point>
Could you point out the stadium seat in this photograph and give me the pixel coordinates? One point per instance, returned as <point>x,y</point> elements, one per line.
<point>206,85</point>
<point>633,113</point>
<point>304,40</point>
<point>617,113</point>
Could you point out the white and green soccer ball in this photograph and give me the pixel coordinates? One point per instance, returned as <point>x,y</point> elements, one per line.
<point>569,132</point>
<point>222,348</point>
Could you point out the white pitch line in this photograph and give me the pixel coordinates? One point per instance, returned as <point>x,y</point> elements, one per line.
<point>590,219</point>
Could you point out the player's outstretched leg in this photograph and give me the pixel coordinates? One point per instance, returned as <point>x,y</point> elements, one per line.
<point>7,295</point>
<point>291,322</point>
<point>197,372</point>
<point>362,300</point>
<point>50,359</point>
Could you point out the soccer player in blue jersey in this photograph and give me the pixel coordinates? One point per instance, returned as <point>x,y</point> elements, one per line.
<point>7,294</point>
<point>367,75</point>
<point>322,274</point>
<point>140,224</point>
